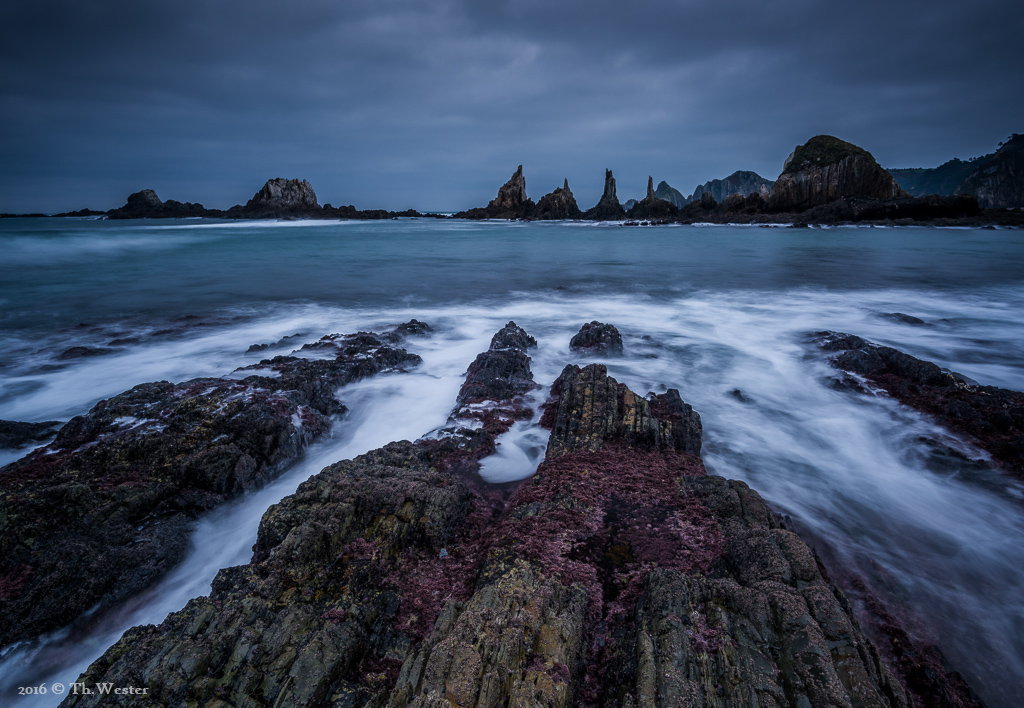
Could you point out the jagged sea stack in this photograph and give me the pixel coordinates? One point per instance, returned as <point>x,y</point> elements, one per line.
<point>651,207</point>
<point>608,208</point>
<point>559,204</point>
<point>825,169</point>
<point>511,202</point>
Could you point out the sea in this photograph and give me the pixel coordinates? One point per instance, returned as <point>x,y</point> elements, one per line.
<point>722,313</point>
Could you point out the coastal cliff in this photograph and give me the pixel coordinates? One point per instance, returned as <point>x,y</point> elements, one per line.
<point>620,574</point>
<point>825,169</point>
<point>998,182</point>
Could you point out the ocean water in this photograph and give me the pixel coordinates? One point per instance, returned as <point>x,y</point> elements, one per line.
<point>721,313</point>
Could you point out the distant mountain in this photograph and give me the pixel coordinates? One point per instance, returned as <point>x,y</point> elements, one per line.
<point>943,180</point>
<point>998,182</point>
<point>996,179</point>
<point>742,182</point>
<point>671,194</point>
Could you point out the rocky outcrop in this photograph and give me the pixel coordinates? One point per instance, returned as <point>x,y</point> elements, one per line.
<point>651,207</point>
<point>597,338</point>
<point>14,434</point>
<point>825,169</point>
<point>105,509</point>
<point>559,204</point>
<point>741,182</point>
<point>146,204</point>
<point>907,209</point>
<point>993,418</point>
<point>942,180</point>
<point>282,198</point>
<point>608,207</point>
<point>619,575</point>
<point>998,183</point>
<point>511,202</point>
<point>671,194</point>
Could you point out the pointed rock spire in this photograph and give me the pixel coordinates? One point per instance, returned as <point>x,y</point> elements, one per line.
<point>609,208</point>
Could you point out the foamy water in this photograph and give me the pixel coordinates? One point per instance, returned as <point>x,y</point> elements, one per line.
<point>937,536</point>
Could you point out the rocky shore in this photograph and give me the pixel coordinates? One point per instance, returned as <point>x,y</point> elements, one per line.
<point>104,510</point>
<point>991,417</point>
<point>620,574</point>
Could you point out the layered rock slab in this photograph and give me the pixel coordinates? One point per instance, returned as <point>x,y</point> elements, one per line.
<point>990,416</point>
<point>620,575</point>
<point>105,509</point>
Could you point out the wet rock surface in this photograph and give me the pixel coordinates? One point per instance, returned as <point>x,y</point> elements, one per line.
<point>597,338</point>
<point>105,509</point>
<point>15,434</point>
<point>619,575</point>
<point>992,417</point>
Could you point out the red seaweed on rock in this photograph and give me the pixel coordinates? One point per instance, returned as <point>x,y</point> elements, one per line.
<point>620,575</point>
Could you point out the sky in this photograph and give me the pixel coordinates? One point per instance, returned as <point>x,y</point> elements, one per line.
<point>432,105</point>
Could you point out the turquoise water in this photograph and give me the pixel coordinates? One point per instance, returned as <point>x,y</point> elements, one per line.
<point>707,310</point>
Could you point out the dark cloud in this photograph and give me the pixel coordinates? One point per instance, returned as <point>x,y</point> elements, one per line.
<point>432,105</point>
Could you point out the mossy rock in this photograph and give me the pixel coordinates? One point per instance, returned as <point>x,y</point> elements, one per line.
<point>823,150</point>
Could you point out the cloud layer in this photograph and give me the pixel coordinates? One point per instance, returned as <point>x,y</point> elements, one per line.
<point>398,104</point>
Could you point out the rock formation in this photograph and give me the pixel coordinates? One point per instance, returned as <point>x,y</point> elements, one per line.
<point>559,204</point>
<point>597,338</point>
<point>608,207</point>
<point>14,434</point>
<point>825,169</point>
<point>130,475</point>
<point>942,180</point>
<point>281,197</point>
<point>619,575</point>
<point>993,418</point>
<point>511,202</point>
<point>670,194</point>
<point>741,182</point>
<point>998,183</point>
<point>651,207</point>
<point>146,204</point>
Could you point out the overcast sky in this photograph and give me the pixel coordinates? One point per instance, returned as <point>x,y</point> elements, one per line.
<point>432,105</point>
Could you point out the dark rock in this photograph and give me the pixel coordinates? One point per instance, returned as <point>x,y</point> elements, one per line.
<point>511,202</point>
<point>147,205</point>
<point>651,207</point>
<point>998,183</point>
<point>619,575</point>
<point>670,194</point>
<point>740,183</point>
<point>991,417</point>
<point>597,338</point>
<point>630,203</point>
<point>14,434</point>
<point>608,207</point>
<point>82,352</point>
<point>559,204</point>
<point>503,371</point>
<point>826,169</point>
<point>128,477</point>
<point>281,197</point>
<point>942,180</point>
<point>904,319</point>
